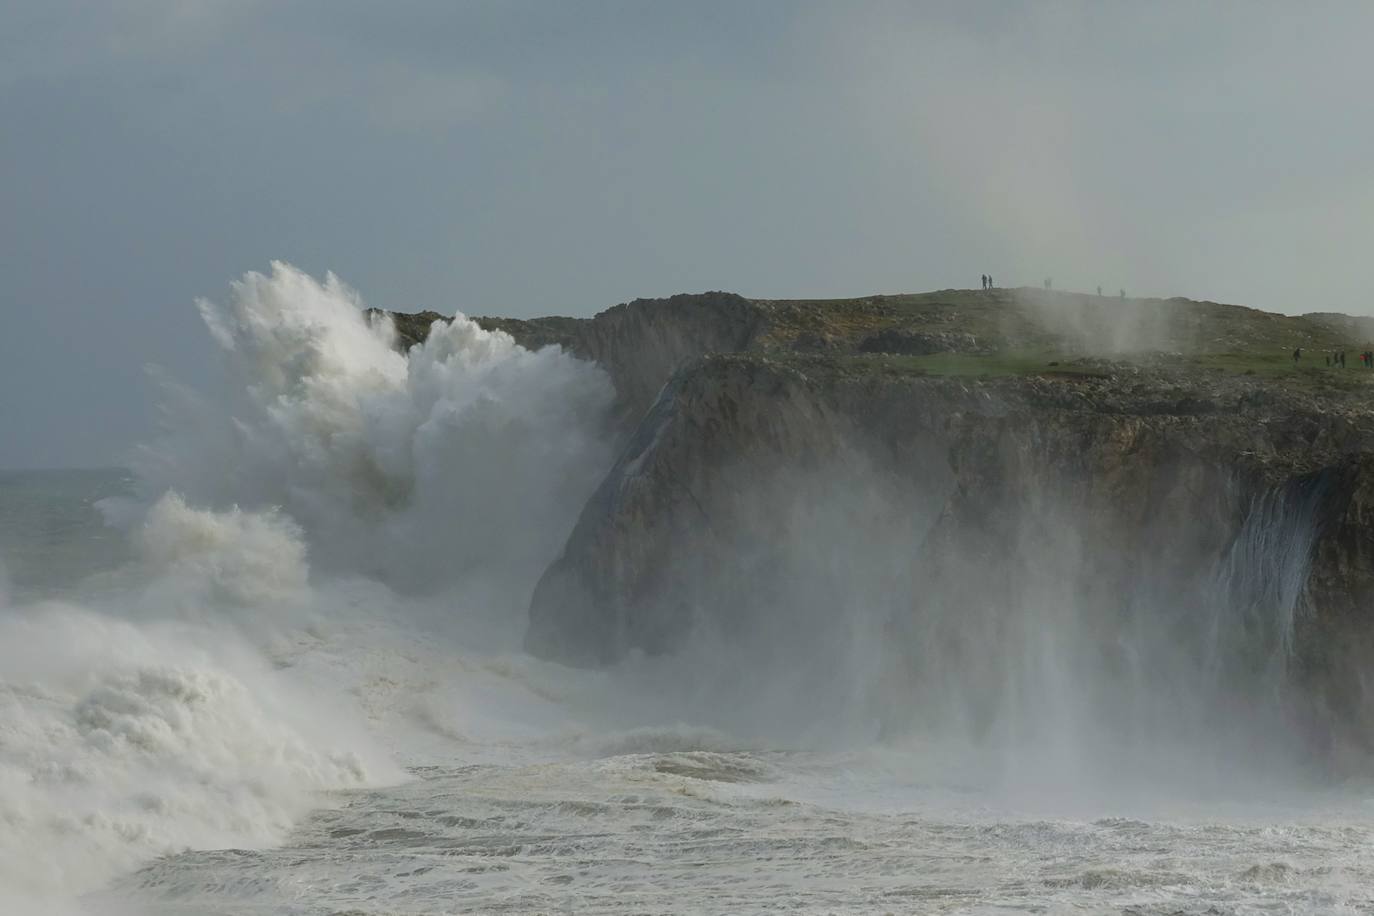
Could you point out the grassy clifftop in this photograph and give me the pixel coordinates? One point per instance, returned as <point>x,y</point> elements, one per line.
<point>970,333</point>
<point>1020,331</point>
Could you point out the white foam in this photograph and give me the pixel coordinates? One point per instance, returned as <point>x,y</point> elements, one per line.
<point>216,691</point>
<point>156,723</point>
<point>464,463</point>
<point>122,741</point>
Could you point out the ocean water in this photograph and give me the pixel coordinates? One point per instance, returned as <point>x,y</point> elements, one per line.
<point>275,668</point>
<point>52,536</point>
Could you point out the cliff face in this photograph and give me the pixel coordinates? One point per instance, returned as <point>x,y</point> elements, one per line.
<point>1036,501</point>
<point>1108,521</point>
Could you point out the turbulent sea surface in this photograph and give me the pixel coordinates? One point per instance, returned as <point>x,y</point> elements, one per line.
<point>275,669</point>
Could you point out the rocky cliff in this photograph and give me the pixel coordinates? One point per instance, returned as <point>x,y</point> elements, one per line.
<point>642,343</point>
<point>1011,484</point>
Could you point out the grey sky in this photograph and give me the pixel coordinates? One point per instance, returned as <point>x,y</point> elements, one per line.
<point>527,158</point>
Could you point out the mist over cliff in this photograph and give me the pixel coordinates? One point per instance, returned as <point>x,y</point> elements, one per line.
<point>1088,531</point>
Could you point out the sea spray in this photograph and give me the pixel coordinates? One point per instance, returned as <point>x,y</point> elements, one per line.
<point>1072,663</point>
<point>460,464</point>
<point>1020,637</point>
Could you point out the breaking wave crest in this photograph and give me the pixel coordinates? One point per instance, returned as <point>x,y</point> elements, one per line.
<point>155,723</point>
<point>465,459</point>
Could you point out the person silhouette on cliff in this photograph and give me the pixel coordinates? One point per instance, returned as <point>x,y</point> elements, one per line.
<point>989,281</point>
<point>985,280</point>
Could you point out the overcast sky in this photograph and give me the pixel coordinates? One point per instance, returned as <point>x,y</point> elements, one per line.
<point>528,158</point>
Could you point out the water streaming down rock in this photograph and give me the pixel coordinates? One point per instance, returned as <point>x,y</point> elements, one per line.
<point>1056,652</point>
<point>1260,586</point>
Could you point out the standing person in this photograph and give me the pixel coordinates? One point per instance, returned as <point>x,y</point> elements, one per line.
<point>989,281</point>
<point>985,280</point>
<point>1048,283</point>
<point>1297,354</point>
<point>1123,294</point>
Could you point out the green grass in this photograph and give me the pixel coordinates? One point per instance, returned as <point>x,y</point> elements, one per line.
<point>1054,321</point>
<point>1312,369</point>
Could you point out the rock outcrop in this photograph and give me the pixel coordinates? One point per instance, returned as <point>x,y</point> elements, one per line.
<point>1154,484</point>
<point>642,343</point>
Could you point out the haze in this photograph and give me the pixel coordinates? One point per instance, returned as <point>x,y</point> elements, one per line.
<point>528,158</point>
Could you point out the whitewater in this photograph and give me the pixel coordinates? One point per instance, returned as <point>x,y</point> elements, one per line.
<point>275,667</point>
